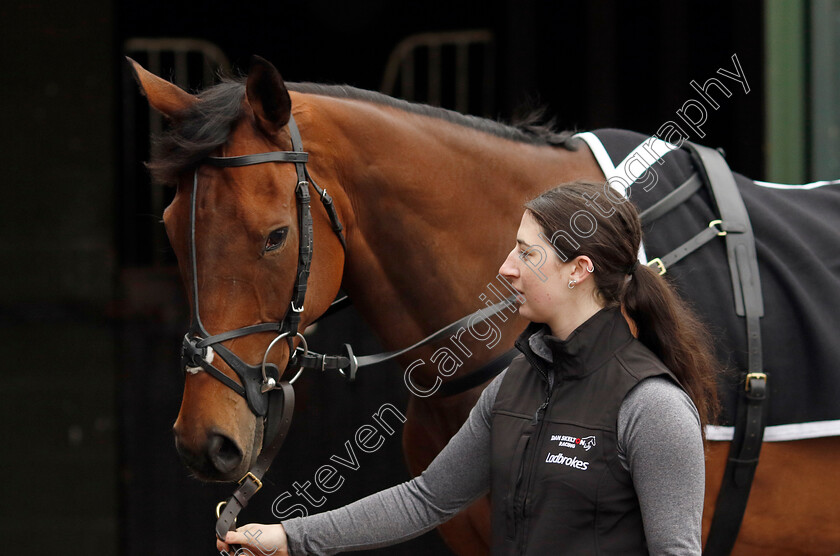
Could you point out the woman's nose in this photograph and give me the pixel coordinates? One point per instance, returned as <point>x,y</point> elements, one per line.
<point>509,268</point>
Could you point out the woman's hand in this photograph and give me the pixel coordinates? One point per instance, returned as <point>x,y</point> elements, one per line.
<point>262,540</point>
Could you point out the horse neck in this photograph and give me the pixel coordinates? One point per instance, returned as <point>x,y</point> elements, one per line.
<point>432,207</point>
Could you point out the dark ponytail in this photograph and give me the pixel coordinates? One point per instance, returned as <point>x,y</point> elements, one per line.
<point>586,218</point>
<point>670,329</point>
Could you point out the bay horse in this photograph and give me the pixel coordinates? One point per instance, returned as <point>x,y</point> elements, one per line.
<point>430,201</point>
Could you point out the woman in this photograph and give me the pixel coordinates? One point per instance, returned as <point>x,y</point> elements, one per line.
<point>592,439</point>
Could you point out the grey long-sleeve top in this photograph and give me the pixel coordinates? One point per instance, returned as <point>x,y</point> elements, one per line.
<point>659,442</point>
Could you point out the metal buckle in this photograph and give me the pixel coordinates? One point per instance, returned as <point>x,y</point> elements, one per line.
<point>253,478</point>
<point>295,309</point>
<point>219,507</point>
<point>715,224</point>
<point>658,262</point>
<point>750,376</point>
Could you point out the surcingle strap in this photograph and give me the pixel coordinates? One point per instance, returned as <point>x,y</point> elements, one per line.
<point>752,401</point>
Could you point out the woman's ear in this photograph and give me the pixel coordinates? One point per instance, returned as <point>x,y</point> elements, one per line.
<point>583,268</point>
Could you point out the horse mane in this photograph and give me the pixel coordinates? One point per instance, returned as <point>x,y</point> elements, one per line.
<point>527,129</point>
<point>207,124</point>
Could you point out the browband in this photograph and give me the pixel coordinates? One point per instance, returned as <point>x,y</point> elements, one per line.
<point>259,158</point>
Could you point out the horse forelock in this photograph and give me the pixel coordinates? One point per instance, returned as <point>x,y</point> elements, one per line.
<point>208,123</point>
<point>197,131</point>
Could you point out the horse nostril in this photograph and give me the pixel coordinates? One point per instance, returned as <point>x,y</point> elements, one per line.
<point>223,452</point>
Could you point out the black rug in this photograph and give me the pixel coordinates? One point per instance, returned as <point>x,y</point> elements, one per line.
<point>797,231</point>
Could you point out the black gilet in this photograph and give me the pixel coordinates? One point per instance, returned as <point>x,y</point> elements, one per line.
<point>557,485</point>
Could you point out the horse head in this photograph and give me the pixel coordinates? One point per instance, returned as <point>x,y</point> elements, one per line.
<point>245,252</point>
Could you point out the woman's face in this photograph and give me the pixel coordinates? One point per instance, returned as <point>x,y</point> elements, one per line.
<point>535,270</point>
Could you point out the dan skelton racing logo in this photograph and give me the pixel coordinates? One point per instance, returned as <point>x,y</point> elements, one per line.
<point>564,441</point>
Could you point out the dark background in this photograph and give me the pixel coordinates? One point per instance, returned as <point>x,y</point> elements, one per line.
<point>91,309</point>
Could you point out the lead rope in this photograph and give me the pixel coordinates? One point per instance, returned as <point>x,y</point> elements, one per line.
<point>281,406</point>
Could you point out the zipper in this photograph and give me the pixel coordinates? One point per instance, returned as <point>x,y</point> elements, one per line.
<point>519,513</point>
<point>549,381</point>
<point>540,411</point>
<point>512,519</point>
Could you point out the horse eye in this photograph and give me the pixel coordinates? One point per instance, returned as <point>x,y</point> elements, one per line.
<point>276,239</point>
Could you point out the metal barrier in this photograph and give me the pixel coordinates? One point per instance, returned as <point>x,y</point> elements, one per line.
<point>445,70</point>
<point>192,64</point>
<point>177,51</point>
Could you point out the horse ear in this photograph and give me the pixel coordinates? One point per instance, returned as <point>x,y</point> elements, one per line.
<point>268,96</point>
<point>166,98</point>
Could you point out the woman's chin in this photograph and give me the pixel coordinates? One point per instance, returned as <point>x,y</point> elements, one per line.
<point>526,313</point>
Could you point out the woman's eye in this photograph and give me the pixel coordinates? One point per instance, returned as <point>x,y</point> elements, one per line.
<point>276,239</point>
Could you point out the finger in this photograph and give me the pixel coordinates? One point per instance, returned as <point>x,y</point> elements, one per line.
<point>235,536</point>
<point>222,546</point>
<point>238,536</point>
<point>244,534</point>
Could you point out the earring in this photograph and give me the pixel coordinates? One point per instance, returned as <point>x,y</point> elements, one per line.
<point>572,284</point>
<point>591,268</point>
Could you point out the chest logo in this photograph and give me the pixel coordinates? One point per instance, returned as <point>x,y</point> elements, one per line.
<point>566,460</point>
<point>565,441</point>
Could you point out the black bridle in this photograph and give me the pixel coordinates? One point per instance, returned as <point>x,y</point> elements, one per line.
<point>267,396</point>
<point>199,346</point>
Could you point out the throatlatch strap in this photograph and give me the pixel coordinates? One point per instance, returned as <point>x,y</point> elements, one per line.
<point>752,402</point>
<point>329,206</point>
